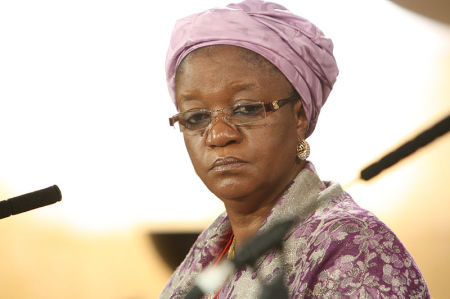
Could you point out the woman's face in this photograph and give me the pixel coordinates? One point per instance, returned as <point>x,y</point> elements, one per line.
<point>250,164</point>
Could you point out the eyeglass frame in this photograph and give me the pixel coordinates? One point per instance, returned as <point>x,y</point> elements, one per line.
<point>272,106</point>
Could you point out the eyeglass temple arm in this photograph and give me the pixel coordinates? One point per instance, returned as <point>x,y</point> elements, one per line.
<point>173,120</point>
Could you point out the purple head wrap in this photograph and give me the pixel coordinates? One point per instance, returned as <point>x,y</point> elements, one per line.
<point>293,44</point>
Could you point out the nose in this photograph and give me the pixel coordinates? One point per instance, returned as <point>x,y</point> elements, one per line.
<point>222,133</point>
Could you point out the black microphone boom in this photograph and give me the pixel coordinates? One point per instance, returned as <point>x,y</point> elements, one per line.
<point>261,243</point>
<point>29,201</point>
<point>406,149</point>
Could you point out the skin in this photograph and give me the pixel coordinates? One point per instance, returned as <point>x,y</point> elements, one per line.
<point>220,76</point>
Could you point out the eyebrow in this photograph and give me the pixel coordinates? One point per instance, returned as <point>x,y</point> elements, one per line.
<point>238,86</point>
<point>187,96</point>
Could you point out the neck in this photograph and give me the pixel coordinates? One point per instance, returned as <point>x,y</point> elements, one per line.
<point>246,219</point>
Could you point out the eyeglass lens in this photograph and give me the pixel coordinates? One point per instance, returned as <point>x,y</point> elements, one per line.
<point>239,114</point>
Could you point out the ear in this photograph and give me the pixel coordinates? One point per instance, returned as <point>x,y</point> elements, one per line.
<point>301,121</point>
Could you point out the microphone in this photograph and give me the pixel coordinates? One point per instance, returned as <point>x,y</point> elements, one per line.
<point>29,201</point>
<point>406,149</point>
<point>213,277</point>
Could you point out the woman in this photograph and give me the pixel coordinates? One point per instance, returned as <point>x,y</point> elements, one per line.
<point>249,82</point>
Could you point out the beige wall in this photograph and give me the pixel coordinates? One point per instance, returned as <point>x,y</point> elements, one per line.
<point>47,260</point>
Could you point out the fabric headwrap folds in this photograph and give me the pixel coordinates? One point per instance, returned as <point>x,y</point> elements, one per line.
<point>293,44</point>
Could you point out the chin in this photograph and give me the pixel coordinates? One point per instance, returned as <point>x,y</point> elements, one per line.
<point>231,188</point>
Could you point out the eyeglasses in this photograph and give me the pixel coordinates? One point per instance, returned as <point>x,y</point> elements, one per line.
<point>194,121</point>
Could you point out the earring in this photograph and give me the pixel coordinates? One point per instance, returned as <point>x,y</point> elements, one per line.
<point>303,150</point>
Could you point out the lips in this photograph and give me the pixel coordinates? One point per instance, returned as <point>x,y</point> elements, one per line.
<point>227,163</point>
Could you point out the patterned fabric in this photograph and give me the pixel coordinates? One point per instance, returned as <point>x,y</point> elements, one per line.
<point>293,44</point>
<point>335,250</point>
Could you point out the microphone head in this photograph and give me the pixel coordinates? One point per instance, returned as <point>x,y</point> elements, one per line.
<point>30,201</point>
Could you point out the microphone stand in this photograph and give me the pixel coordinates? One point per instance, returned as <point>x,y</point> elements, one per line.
<point>277,288</point>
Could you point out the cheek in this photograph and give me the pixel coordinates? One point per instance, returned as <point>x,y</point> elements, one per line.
<point>284,141</point>
<point>275,147</point>
<point>196,152</point>
<point>280,152</point>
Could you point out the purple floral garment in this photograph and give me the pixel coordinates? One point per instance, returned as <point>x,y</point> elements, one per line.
<point>336,250</point>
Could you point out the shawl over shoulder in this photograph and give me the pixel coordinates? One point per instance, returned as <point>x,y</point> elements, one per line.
<point>335,250</point>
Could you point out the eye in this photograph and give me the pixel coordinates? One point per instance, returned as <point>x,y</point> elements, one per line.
<point>195,119</point>
<point>248,109</point>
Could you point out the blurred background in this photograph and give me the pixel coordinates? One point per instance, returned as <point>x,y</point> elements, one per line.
<point>84,105</point>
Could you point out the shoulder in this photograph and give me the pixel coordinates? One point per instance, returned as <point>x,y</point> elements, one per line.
<point>203,252</point>
<point>348,250</point>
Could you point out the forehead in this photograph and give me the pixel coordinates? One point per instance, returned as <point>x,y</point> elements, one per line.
<point>215,69</point>
<point>215,52</point>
